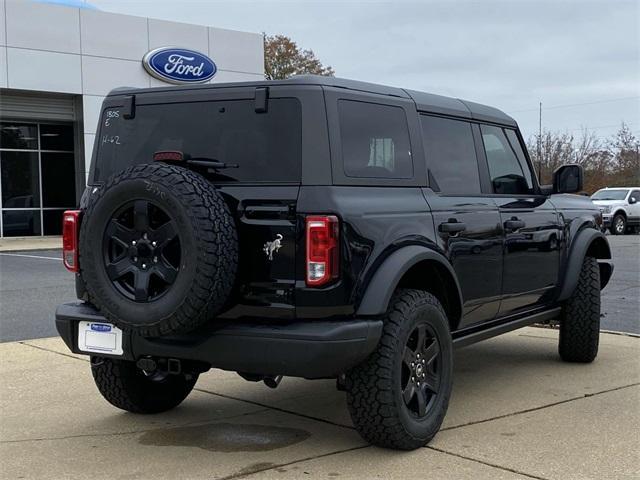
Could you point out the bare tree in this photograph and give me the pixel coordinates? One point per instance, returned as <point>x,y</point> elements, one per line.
<point>283,59</point>
<point>613,162</point>
<point>625,148</point>
<point>556,149</point>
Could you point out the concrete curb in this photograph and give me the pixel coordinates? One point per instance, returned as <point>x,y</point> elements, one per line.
<point>30,243</point>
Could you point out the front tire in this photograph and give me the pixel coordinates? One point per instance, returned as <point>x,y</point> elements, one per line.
<point>399,396</point>
<point>580,321</point>
<point>618,225</point>
<point>127,387</point>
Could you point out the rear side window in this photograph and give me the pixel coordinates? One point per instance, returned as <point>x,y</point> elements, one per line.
<point>375,140</point>
<point>451,155</point>
<point>509,172</point>
<point>265,146</point>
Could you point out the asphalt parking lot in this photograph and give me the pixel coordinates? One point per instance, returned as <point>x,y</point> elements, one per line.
<point>32,283</point>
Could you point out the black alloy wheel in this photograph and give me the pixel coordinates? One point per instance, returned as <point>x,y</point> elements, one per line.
<point>420,380</point>
<point>150,249</point>
<point>399,395</point>
<point>141,250</point>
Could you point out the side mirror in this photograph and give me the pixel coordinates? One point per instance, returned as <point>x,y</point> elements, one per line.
<point>632,200</point>
<point>568,179</point>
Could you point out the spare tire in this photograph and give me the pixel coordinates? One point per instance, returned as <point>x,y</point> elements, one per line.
<point>158,249</point>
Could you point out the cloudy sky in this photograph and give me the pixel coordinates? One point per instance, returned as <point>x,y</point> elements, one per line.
<point>581,59</point>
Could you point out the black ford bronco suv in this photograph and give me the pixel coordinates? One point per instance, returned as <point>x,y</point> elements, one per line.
<point>320,228</point>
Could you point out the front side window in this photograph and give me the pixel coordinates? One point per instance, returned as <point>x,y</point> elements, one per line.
<point>375,140</point>
<point>509,176</point>
<point>451,155</point>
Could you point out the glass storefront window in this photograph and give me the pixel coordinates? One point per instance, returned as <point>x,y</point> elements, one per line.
<point>57,169</point>
<point>21,223</point>
<point>52,222</point>
<point>20,179</point>
<point>37,177</point>
<point>20,136</point>
<point>56,137</point>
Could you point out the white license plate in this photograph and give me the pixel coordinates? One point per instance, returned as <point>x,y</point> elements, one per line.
<point>99,337</point>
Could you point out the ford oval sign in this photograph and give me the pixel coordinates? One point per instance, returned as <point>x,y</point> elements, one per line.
<point>179,65</point>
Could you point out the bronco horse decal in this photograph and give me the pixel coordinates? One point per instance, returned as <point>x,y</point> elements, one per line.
<point>272,247</point>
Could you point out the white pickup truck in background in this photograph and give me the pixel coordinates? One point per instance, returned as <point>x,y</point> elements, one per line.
<point>620,208</point>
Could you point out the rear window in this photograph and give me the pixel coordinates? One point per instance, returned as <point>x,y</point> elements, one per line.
<point>375,140</point>
<point>265,146</point>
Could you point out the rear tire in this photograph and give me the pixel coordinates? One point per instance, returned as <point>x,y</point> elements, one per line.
<point>580,321</point>
<point>127,387</point>
<point>392,404</point>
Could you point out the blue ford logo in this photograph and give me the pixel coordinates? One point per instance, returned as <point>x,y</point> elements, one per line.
<point>100,327</point>
<point>179,65</point>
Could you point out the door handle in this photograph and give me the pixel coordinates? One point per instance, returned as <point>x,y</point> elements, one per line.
<point>514,224</point>
<point>452,226</point>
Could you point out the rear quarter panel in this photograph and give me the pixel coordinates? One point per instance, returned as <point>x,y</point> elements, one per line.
<point>374,222</point>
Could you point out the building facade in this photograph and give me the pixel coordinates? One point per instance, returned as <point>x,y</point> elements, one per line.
<point>56,65</point>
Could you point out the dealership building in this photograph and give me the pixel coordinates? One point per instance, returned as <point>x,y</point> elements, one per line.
<point>57,63</point>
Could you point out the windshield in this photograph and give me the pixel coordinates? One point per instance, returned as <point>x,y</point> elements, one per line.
<point>610,194</point>
<point>265,146</point>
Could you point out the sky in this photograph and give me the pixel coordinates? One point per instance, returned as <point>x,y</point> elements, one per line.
<point>581,59</point>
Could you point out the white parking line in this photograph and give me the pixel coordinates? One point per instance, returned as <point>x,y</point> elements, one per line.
<point>30,256</point>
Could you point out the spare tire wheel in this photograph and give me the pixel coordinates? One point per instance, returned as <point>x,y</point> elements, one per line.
<point>158,249</point>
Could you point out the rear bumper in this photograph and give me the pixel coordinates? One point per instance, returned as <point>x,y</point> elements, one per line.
<point>310,349</point>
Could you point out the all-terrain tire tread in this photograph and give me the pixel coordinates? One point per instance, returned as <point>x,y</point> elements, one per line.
<point>121,387</point>
<point>370,397</point>
<point>216,255</point>
<point>580,321</point>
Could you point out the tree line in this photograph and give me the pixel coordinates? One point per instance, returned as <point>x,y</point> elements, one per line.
<point>607,162</point>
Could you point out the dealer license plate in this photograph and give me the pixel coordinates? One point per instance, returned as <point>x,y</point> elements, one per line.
<point>99,337</point>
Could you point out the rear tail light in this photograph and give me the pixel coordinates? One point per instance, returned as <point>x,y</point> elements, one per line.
<point>322,249</point>
<point>70,228</point>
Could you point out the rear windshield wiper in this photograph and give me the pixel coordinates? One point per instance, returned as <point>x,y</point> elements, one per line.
<point>180,157</point>
<point>210,163</point>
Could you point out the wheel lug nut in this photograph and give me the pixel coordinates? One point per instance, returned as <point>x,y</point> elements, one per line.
<point>133,242</point>
<point>412,364</point>
<point>155,259</point>
<point>418,355</point>
<point>153,244</point>
<point>144,235</point>
<point>135,259</point>
<point>413,379</point>
<point>144,265</point>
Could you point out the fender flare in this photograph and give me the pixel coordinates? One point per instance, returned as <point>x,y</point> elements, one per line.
<point>580,246</point>
<point>388,275</point>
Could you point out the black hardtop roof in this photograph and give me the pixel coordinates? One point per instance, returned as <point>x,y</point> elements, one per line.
<point>426,102</point>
